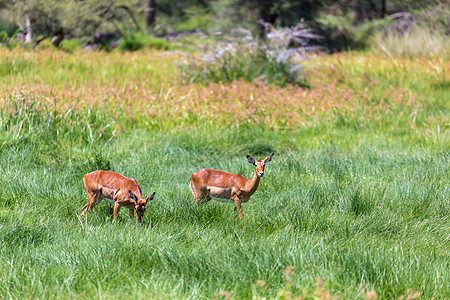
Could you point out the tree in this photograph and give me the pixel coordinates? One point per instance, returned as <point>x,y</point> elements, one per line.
<point>37,18</point>
<point>282,12</point>
<point>285,12</point>
<point>41,19</point>
<point>150,9</point>
<point>92,17</point>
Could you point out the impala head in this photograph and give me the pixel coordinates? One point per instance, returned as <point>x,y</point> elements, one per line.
<point>259,164</point>
<point>140,204</point>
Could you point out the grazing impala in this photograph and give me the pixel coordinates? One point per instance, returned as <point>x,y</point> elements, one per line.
<point>117,189</point>
<point>222,186</point>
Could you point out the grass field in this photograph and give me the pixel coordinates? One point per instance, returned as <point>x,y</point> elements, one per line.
<point>355,203</point>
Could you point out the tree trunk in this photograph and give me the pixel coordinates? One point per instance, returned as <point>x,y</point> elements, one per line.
<point>383,9</point>
<point>28,35</point>
<point>58,37</point>
<point>150,12</point>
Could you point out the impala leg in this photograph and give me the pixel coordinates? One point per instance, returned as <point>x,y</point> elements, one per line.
<point>132,213</point>
<point>116,211</point>
<point>197,195</point>
<point>92,201</point>
<point>201,196</point>
<point>205,195</point>
<point>238,207</point>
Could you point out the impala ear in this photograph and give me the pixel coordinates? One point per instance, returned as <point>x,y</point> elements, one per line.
<point>269,158</point>
<point>132,196</point>
<point>250,159</point>
<point>150,198</point>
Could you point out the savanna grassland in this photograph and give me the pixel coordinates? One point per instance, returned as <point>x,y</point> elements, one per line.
<point>355,203</point>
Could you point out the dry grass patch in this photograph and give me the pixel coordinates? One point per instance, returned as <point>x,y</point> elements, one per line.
<point>145,85</point>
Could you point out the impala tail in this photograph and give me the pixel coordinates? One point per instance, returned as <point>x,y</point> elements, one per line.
<point>190,187</point>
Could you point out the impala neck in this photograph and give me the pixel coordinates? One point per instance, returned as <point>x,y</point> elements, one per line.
<point>253,183</point>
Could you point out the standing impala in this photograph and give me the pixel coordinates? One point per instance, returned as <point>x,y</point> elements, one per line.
<point>222,186</point>
<point>117,189</point>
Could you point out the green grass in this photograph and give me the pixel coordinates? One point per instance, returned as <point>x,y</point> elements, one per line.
<point>357,198</point>
<point>140,40</point>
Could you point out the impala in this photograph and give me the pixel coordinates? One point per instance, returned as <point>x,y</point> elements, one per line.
<point>222,186</point>
<point>117,189</point>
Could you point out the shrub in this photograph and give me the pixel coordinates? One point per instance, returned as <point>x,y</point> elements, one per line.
<point>46,44</point>
<point>158,43</point>
<point>7,40</point>
<point>3,37</point>
<point>140,40</point>
<point>339,33</point>
<point>274,60</point>
<point>71,46</point>
<point>7,26</point>
<point>197,18</point>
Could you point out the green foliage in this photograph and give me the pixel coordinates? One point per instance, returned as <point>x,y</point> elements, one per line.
<point>7,25</point>
<point>8,40</point>
<point>158,43</point>
<point>46,45</point>
<point>243,64</point>
<point>271,61</point>
<point>282,12</point>
<point>102,16</point>
<point>340,33</point>
<point>140,40</point>
<point>46,16</point>
<point>70,46</point>
<point>195,19</point>
<point>179,9</point>
<point>344,24</point>
<point>3,37</point>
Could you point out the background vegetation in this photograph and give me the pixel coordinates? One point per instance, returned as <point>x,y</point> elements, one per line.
<point>102,24</point>
<point>354,203</point>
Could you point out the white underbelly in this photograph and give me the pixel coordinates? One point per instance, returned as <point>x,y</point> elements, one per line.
<point>109,194</point>
<point>222,199</point>
<point>220,194</point>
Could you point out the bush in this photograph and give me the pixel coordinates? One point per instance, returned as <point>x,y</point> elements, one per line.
<point>339,33</point>
<point>71,46</point>
<point>7,40</point>
<point>46,44</point>
<point>140,40</point>
<point>3,37</point>
<point>243,63</point>
<point>242,57</point>
<point>197,18</point>
<point>158,43</point>
<point>7,26</point>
